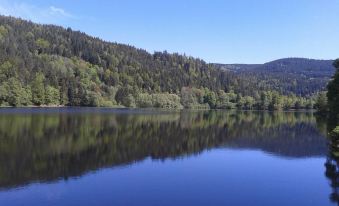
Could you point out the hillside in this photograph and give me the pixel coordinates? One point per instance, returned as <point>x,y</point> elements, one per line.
<point>290,75</point>
<point>51,65</point>
<point>80,65</point>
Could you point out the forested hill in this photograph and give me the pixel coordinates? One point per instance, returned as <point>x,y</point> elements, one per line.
<point>51,65</point>
<point>81,65</point>
<point>298,75</point>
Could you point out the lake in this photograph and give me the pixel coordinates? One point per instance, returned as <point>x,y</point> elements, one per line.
<point>93,156</point>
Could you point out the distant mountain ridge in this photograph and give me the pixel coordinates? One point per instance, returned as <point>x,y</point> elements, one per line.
<point>302,76</point>
<point>304,65</point>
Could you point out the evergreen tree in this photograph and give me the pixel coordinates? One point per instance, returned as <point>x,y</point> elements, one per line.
<point>333,91</point>
<point>321,102</point>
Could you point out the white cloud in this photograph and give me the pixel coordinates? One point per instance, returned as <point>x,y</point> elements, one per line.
<point>59,11</point>
<point>34,13</point>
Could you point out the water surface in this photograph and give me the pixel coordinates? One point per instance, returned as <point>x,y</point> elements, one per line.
<point>90,156</point>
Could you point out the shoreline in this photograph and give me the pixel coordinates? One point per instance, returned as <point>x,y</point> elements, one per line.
<point>152,108</point>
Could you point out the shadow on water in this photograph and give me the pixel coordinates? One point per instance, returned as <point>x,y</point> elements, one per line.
<point>332,161</point>
<point>47,146</point>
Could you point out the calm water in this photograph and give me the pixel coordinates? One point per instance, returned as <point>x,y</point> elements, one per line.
<point>146,157</point>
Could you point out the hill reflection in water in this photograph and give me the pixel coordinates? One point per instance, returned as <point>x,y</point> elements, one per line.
<point>49,144</point>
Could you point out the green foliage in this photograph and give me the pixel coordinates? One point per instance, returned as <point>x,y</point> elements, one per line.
<point>210,98</point>
<point>321,102</point>
<point>15,92</point>
<point>124,97</point>
<point>38,89</point>
<point>52,96</point>
<point>168,101</point>
<point>42,44</point>
<point>110,95</point>
<point>227,100</point>
<point>247,102</point>
<point>336,64</point>
<point>94,99</point>
<point>159,100</point>
<point>193,98</point>
<point>7,71</point>
<point>106,103</point>
<point>129,101</point>
<point>3,33</point>
<point>333,91</point>
<point>144,100</point>
<point>335,132</point>
<point>26,96</point>
<point>4,93</point>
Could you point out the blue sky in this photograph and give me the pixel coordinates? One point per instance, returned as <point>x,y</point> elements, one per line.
<point>228,31</point>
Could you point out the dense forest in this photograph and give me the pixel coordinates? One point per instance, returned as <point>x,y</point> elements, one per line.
<point>51,65</point>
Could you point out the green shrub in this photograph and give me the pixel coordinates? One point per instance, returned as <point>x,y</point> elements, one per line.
<point>166,100</point>
<point>52,96</point>
<point>335,132</point>
<point>144,100</point>
<point>159,100</point>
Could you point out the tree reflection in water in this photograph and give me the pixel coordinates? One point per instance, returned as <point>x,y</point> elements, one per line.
<point>332,162</point>
<point>47,146</point>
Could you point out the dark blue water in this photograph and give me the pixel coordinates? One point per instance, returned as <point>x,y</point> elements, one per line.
<point>147,157</point>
